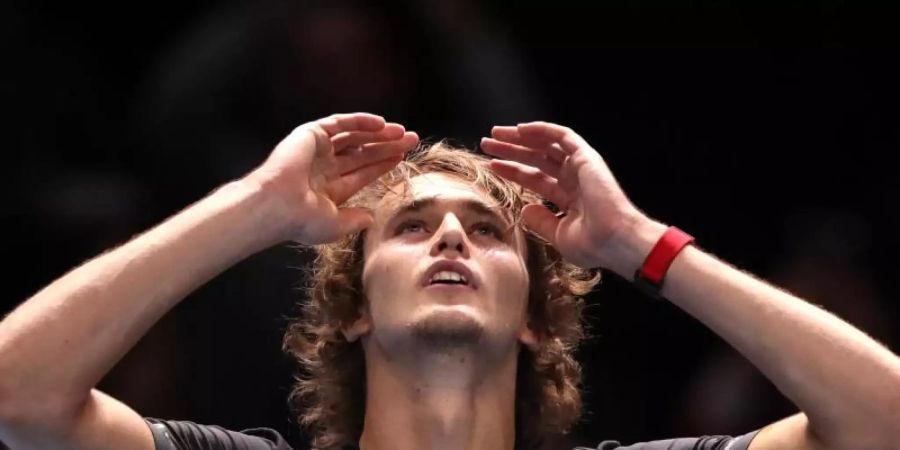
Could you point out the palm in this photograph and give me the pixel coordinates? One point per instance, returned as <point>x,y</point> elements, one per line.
<point>323,163</point>
<point>556,163</point>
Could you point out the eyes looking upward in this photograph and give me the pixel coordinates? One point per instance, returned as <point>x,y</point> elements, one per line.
<point>424,216</point>
<point>479,228</point>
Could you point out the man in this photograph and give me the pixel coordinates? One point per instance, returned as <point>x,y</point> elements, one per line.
<point>447,308</point>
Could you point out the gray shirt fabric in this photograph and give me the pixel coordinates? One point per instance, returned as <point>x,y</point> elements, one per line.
<point>186,435</point>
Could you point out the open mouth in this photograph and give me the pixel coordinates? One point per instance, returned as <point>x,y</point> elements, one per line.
<point>449,277</point>
<point>450,274</point>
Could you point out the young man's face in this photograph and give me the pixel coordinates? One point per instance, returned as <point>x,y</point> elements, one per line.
<point>444,220</point>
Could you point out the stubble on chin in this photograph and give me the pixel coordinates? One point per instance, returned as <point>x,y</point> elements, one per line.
<point>445,332</point>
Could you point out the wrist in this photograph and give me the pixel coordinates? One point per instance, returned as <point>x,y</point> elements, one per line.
<point>627,250</point>
<point>268,213</point>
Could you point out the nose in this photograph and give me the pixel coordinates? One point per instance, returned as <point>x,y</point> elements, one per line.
<point>450,237</point>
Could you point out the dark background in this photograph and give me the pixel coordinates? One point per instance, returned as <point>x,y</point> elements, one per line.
<point>767,132</point>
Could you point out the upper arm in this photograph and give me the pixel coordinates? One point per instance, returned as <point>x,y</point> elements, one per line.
<point>790,433</point>
<point>104,423</point>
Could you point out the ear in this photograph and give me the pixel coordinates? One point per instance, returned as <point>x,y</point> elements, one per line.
<point>528,337</point>
<point>358,328</point>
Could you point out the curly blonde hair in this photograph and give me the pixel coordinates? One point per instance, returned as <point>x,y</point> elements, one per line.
<point>329,397</point>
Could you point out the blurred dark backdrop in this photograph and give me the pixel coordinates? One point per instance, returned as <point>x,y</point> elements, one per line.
<point>767,132</point>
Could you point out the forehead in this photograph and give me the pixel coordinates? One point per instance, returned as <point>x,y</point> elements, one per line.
<point>440,186</point>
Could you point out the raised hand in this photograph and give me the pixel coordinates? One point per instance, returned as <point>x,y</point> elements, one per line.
<point>323,163</point>
<point>557,163</point>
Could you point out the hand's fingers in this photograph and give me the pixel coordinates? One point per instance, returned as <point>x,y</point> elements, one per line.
<point>344,187</point>
<point>352,220</point>
<point>522,154</point>
<point>568,179</point>
<point>568,140</point>
<point>541,221</point>
<point>298,143</point>
<point>337,123</point>
<point>505,133</point>
<point>350,139</point>
<point>354,158</point>
<point>534,179</point>
<point>545,145</point>
<point>323,142</point>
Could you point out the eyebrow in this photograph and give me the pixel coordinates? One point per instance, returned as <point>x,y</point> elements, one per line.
<point>476,206</point>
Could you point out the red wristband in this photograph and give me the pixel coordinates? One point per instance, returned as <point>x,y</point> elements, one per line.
<point>650,276</point>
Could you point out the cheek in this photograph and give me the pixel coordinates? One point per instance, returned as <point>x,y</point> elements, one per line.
<point>511,274</point>
<point>376,281</point>
<point>375,275</point>
<point>387,271</point>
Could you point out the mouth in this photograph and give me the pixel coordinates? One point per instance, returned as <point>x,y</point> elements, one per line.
<point>449,275</point>
<point>447,280</point>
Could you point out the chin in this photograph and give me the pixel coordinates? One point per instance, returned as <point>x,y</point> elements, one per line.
<point>448,325</point>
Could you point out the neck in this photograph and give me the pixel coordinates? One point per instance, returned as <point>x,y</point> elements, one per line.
<point>446,400</point>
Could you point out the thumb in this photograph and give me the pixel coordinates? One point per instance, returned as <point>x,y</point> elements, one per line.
<point>353,220</point>
<point>542,221</point>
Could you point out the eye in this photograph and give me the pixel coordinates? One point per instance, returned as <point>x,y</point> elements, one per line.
<point>487,228</point>
<point>410,225</point>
